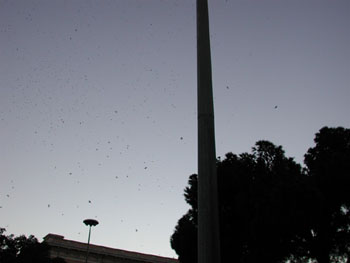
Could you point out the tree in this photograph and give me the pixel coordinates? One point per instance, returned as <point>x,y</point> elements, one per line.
<point>265,204</point>
<point>328,165</point>
<point>24,249</point>
<point>184,238</point>
<point>272,210</point>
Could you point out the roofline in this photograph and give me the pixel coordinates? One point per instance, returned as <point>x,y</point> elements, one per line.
<point>59,241</point>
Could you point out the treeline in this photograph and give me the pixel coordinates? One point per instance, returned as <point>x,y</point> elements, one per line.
<point>22,249</point>
<point>272,209</point>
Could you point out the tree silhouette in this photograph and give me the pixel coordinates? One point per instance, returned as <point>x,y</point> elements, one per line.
<point>24,249</point>
<point>272,210</point>
<point>184,239</point>
<point>328,165</point>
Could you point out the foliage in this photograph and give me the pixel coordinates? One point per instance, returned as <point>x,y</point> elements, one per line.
<point>328,165</point>
<point>272,210</point>
<point>24,249</point>
<point>185,234</point>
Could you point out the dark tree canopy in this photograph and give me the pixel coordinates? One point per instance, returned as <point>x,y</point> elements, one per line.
<point>272,210</point>
<point>328,165</point>
<point>24,249</point>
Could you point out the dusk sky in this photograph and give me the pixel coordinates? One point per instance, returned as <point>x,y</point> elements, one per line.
<point>98,105</point>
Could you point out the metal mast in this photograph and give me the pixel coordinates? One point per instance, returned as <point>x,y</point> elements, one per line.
<point>90,223</point>
<point>208,217</point>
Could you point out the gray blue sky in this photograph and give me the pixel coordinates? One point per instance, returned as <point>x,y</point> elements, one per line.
<point>98,104</point>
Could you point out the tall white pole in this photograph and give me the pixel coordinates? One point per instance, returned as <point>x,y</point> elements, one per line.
<point>208,216</point>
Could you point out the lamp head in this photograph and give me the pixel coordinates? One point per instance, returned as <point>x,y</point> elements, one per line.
<point>90,222</point>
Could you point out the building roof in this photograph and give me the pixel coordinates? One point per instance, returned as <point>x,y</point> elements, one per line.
<point>58,241</point>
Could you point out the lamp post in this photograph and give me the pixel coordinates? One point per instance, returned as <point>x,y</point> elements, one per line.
<point>90,223</point>
<point>208,215</point>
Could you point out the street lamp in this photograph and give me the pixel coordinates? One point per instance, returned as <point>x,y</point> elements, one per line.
<point>90,223</point>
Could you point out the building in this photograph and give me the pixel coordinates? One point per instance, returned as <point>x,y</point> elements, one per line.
<point>75,252</point>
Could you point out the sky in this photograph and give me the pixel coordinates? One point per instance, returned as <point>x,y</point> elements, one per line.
<point>98,105</point>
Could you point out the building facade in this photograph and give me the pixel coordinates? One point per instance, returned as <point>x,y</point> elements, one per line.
<point>75,252</point>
